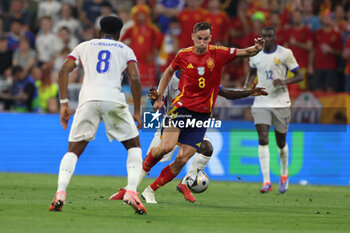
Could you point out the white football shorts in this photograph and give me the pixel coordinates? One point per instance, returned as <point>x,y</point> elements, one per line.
<point>278,117</point>
<point>118,120</point>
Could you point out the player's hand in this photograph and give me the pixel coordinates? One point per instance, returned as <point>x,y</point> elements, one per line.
<point>65,114</point>
<point>256,91</point>
<point>259,43</point>
<point>157,104</point>
<point>278,82</point>
<point>137,118</point>
<point>152,94</point>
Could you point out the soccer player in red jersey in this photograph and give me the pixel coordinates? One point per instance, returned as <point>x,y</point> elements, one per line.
<point>199,84</point>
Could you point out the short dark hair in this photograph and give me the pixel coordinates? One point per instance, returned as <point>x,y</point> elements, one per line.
<point>111,25</point>
<point>16,69</point>
<point>269,28</point>
<point>201,26</point>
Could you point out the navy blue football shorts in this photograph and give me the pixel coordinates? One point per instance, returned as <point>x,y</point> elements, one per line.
<point>191,125</point>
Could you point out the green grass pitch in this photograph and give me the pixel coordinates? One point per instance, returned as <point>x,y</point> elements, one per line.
<point>224,207</point>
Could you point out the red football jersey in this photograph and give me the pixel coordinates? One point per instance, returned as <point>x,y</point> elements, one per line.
<point>326,61</point>
<point>201,75</point>
<point>303,35</point>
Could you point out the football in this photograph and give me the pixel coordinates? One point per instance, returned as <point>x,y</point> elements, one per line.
<point>198,182</point>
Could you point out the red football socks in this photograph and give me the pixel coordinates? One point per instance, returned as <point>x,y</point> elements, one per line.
<point>149,162</point>
<point>165,176</point>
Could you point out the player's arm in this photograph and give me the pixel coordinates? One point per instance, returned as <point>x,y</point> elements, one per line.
<point>298,77</point>
<point>152,95</point>
<point>164,81</point>
<point>134,76</point>
<point>65,112</point>
<point>250,77</point>
<point>236,94</point>
<point>252,50</point>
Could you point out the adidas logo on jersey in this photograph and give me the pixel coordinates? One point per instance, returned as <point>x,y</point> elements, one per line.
<point>190,66</point>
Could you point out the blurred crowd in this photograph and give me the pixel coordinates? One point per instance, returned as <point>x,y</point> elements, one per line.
<point>36,36</point>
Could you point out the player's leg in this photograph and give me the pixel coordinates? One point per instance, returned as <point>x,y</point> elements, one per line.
<point>155,142</point>
<point>169,172</point>
<point>199,162</point>
<point>281,120</point>
<point>168,142</point>
<point>284,154</point>
<point>83,130</point>
<point>134,168</point>
<point>262,120</point>
<point>264,156</point>
<point>66,171</point>
<point>120,126</point>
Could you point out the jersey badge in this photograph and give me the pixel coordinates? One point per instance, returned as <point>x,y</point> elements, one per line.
<point>277,61</point>
<point>198,144</point>
<point>210,63</point>
<point>201,70</point>
<point>190,66</point>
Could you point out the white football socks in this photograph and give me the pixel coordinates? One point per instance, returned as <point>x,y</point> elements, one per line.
<point>134,167</point>
<point>264,159</point>
<point>199,162</point>
<point>66,171</point>
<point>284,153</point>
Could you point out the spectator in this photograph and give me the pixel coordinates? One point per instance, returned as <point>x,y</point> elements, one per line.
<point>258,20</point>
<point>219,21</point>
<point>310,19</point>
<point>124,15</point>
<point>66,39</point>
<point>50,8</point>
<point>301,43</point>
<point>24,56</point>
<point>346,56</point>
<point>339,18</point>
<point>17,13</point>
<point>106,10</point>
<point>14,34</point>
<point>5,57</point>
<point>275,22</point>
<point>170,44</point>
<point>188,17</point>
<point>47,43</point>
<point>328,46</point>
<point>58,62</point>
<point>144,39</point>
<point>165,10</point>
<point>88,33</point>
<point>47,89</point>
<point>67,20</point>
<point>91,10</point>
<point>24,94</point>
<point>239,25</point>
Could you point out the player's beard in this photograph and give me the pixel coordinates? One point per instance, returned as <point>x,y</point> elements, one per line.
<point>201,49</point>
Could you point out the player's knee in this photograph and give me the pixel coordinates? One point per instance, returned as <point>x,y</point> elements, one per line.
<point>263,141</point>
<point>206,148</point>
<point>281,143</point>
<point>165,149</point>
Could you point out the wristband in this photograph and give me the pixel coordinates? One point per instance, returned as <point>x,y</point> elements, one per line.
<point>64,101</point>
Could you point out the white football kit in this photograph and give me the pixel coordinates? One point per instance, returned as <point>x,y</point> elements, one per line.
<point>170,93</point>
<point>100,98</point>
<point>273,109</point>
